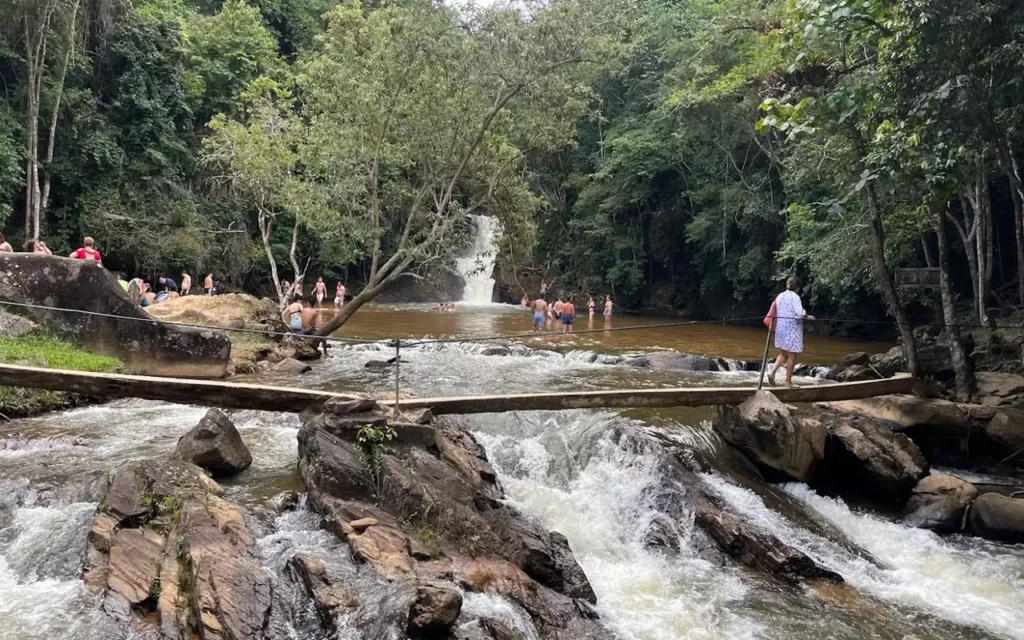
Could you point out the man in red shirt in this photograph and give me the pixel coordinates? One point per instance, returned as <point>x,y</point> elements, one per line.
<point>87,252</point>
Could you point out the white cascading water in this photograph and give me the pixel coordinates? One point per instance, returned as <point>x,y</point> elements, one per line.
<point>477,267</point>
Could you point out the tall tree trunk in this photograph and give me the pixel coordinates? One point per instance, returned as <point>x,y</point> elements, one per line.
<point>51,140</point>
<point>1009,166</point>
<point>881,266</point>
<point>977,195</point>
<point>962,366</point>
<point>968,230</point>
<point>266,223</point>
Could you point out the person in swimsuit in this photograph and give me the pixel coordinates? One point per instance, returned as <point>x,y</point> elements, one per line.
<point>543,288</point>
<point>292,315</point>
<point>608,309</point>
<point>339,296</point>
<point>186,284</point>
<point>540,307</point>
<point>87,252</point>
<point>208,284</point>
<point>568,316</point>
<point>559,306</point>
<point>320,291</point>
<point>591,305</point>
<point>309,316</point>
<point>525,303</point>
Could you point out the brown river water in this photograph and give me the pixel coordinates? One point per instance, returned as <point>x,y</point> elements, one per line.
<point>556,466</point>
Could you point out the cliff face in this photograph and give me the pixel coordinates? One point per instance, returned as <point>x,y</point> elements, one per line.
<point>144,345</point>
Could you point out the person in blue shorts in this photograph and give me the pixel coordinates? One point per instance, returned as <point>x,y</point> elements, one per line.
<point>540,308</point>
<point>568,315</point>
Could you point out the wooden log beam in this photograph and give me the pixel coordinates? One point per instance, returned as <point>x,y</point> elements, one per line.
<point>680,397</point>
<point>233,395</point>
<point>209,393</point>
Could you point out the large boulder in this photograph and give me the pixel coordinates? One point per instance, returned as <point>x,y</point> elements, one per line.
<point>188,555</point>
<point>942,429</point>
<point>1004,432</point>
<point>215,445</point>
<point>867,459</point>
<point>1000,389</point>
<point>938,502</point>
<point>122,329</point>
<point>997,517</point>
<point>12,326</point>
<point>766,431</point>
<point>444,486</point>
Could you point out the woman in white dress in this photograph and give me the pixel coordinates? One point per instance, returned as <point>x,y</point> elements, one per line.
<point>789,329</point>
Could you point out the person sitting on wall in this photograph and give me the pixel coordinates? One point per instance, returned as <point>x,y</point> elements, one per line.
<point>37,247</point>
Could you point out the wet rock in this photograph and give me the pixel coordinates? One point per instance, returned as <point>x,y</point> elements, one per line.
<point>495,350</point>
<point>124,500</point>
<point>867,459</point>
<point>337,406</point>
<point>997,517</point>
<point>765,430</point>
<point>299,347</point>
<point>668,361</point>
<point>203,577</point>
<point>12,326</point>
<point>449,480</point>
<point>661,534</point>
<point>434,611</point>
<point>285,501</point>
<point>125,331</point>
<point>329,599</point>
<point>291,366</point>
<point>938,502</point>
<point>759,549</point>
<point>859,358</point>
<point>640,361</point>
<point>856,373</point>
<point>215,445</point>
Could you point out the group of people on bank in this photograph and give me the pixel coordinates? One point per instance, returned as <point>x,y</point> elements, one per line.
<point>293,292</point>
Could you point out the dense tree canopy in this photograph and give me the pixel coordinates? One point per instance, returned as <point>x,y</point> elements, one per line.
<point>679,155</point>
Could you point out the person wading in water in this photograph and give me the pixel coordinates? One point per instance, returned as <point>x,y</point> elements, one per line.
<point>568,316</point>
<point>540,307</point>
<point>320,291</point>
<point>789,329</point>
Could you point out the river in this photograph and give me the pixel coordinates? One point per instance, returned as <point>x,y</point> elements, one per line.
<point>559,467</point>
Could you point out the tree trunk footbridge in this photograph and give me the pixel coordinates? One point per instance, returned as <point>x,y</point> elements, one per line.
<point>236,395</point>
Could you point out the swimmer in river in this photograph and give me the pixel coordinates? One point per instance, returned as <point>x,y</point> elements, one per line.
<point>540,307</point>
<point>568,316</point>
<point>590,308</point>
<point>559,306</point>
<point>608,307</point>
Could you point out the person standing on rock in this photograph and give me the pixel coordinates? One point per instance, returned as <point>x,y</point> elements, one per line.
<point>789,329</point>
<point>87,252</point>
<point>292,315</point>
<point>186,284</point>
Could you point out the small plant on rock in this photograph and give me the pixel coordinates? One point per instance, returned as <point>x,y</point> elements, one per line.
<point>373,442</point>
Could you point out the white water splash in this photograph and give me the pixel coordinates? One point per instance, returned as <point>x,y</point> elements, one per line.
<point>578,482</point>
<point>963,580</point>
<point>476,268</point>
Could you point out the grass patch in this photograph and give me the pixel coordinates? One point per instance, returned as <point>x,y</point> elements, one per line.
<point>44,350</point>
<point>247,349</point>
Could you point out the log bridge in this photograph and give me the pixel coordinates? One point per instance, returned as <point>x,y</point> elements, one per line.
<point>234,395</point>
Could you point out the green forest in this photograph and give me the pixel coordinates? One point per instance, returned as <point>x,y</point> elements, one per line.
<point>677,154</point>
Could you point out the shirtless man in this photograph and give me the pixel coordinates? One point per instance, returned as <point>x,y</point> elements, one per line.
<point>309,316</point>
<point>568,316</point>
<point>208,284</point>
<point>320,290</point>
<point>540,307</point>
<point>339,296</point>
<point>559,307</point>
<point>186,284</point>
<point>5,247</point>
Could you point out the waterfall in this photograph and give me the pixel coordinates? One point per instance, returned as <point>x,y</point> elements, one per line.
<point>476,268</point>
